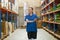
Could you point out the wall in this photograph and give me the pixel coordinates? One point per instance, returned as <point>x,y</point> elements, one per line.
<point>21,16</point>
<point>33,3</point>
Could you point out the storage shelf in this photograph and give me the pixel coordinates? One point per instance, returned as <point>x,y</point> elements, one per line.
<point>52,12</point>
<point>58,36</point>
<point>7,10</point>
<point>51,22</point>
<point>8,16</point>
<point>49,13</point>
<point>47,5</point>
<point>43,2</point>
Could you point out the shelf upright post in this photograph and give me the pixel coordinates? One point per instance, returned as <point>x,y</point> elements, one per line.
<point>55,25</point>
<point>0,23</point>
<point>49,18</point>
<point>14,21</point>
<point>11,17</point>
<point>7,16</point>
<point>6,19</point>
<point>15,16</point>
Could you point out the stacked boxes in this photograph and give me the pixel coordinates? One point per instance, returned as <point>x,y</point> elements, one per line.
<point>5,27</point>
<point>58,32</point>
<point>12,7</point>
<point>9,5</point>
<point>51,18</point>
<point>39,24</point>
<point>10,26</point>
<point>57,17</point>
<point>45,18</point>
<point>4,3</point>
<point>58,6</point>
<point>17,9</point>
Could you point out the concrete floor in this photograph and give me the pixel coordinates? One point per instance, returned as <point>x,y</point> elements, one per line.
<point>20,34</point>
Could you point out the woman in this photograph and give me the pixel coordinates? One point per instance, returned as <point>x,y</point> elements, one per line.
<point>31,24</point>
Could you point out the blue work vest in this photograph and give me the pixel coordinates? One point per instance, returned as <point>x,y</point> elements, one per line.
<point>31,26</point>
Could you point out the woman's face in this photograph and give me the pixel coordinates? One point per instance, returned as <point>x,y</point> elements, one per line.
<point>30,10</point>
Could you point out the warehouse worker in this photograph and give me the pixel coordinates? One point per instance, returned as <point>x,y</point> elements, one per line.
<point>31,24</point>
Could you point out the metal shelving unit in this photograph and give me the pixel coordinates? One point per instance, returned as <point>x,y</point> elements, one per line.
<point>10,16</point>
<point>48,17</point>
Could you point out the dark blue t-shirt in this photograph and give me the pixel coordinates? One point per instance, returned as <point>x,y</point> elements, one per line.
<point>31,26</point>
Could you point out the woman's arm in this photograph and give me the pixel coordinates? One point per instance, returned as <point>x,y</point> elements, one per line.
<point>29,21</point>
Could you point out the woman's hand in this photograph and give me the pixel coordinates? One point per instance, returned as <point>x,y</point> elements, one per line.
<point>28,21</point>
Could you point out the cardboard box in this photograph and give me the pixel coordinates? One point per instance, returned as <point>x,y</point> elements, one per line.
<point>10,26</point>
<point>45,18</point>
<point>39,24</point>
<point>5,27</point>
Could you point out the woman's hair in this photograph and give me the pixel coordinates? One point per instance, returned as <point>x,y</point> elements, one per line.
<point>31,8</point>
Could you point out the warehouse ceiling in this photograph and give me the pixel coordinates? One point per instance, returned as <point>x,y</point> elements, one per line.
<point>31,3</point>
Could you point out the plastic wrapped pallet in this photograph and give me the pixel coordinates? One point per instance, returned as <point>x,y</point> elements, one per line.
<point>9,5</point>
<point>16,9</point>
<point>13,7</point>
<point>2,3</point>
<point>6,4</point>
<point>5,27</point>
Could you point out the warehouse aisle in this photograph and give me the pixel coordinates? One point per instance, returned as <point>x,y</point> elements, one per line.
<point>20,34</point>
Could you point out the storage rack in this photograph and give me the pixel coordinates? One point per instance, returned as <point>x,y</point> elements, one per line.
<point>9,16</point>
<point>50,16</point>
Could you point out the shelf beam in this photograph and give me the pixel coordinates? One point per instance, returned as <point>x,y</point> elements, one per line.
<point>51,22</point>
<point>56,35</point>
<point>47,5</point>
<point>52,12</point>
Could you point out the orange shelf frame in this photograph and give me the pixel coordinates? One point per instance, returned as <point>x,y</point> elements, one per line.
<point>7,10</point>
<point>52,12</point>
